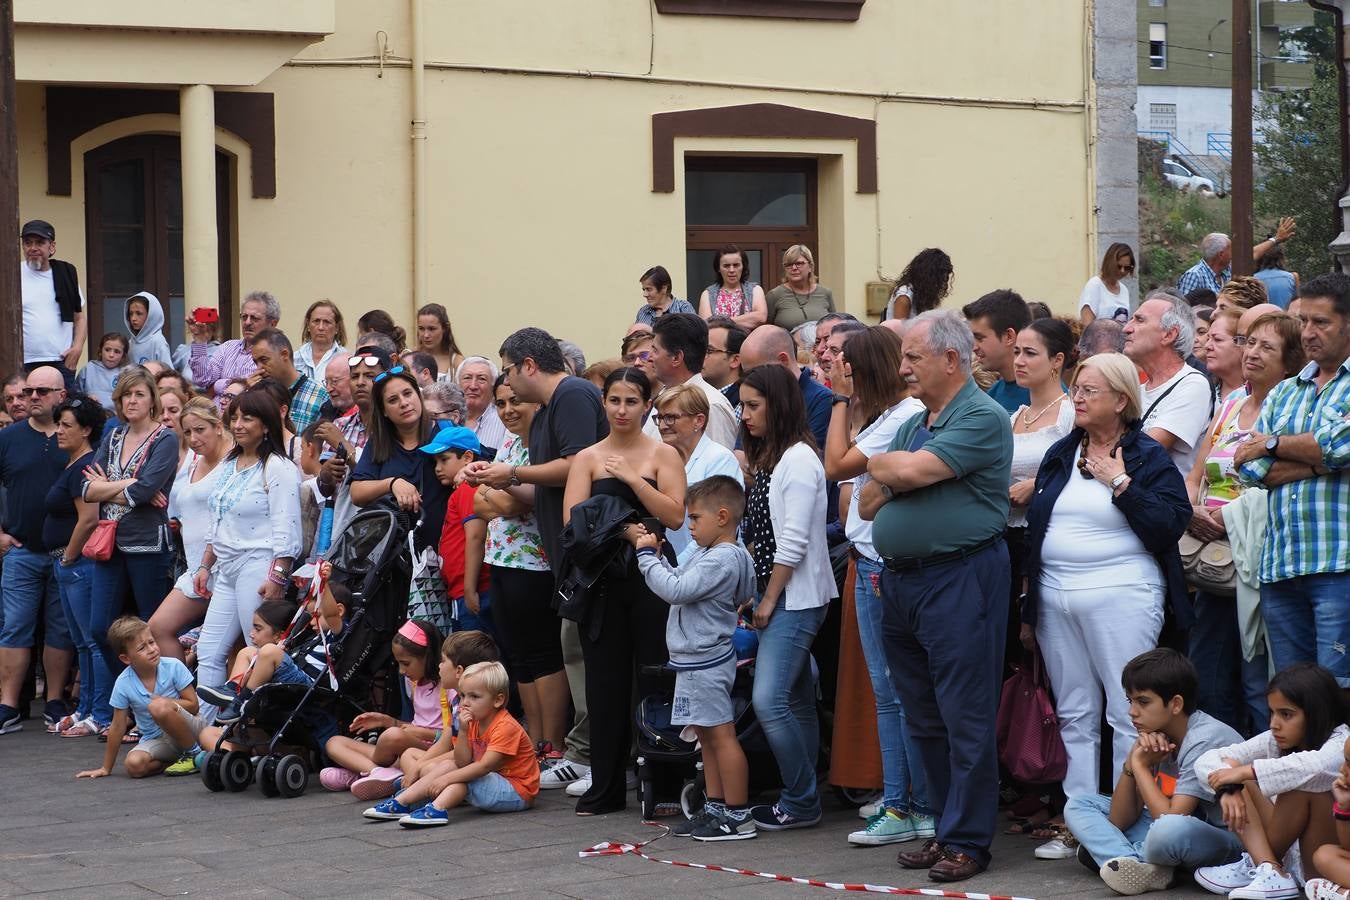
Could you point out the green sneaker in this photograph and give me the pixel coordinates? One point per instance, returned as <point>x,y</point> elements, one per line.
<point>186,765</point>
<point>886,827</point>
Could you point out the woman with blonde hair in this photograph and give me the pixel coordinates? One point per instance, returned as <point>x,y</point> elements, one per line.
<point>204,433</point>
<point>682,417</point>
<point>800,298</point>
<point>323,336</point>
<point>1101,562</point>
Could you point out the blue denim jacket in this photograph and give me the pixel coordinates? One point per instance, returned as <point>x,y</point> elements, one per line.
<point>1156,505</point>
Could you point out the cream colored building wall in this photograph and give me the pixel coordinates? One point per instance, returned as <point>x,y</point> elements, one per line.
<point>541,208</point>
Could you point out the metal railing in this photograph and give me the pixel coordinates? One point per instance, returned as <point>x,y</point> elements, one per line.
<point>1196,163</point>
<point>1220,144</point>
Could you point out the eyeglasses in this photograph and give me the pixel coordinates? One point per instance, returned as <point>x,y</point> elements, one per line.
<point>38,391</point>
<point>643,356</point>
<point>368,360</point>
<point>669,418</point>
<point>1087,393</point>
<point>797,262</point>
<point>396,370</point>
<point>332,382</point>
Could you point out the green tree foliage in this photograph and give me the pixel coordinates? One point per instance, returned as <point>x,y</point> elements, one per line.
<point>1298,156</point>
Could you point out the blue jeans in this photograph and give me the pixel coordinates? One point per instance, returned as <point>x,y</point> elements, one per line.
<point>148,576</point>
<point>1172,840</point>
<point>1308,620</point>
<point>905,789</point>
<point>76,588</point>
<point>493,793</point>
<point>944,627</point>
<point>28,588</point>
<point>784,697</point>
<point>1231,689</point>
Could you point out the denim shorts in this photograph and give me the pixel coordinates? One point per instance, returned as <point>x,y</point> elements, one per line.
<point>28,589</point>
<point>493,793</point>
<point>289,673</point>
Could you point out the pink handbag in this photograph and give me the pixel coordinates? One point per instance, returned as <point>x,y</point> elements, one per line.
<point>1029,743</point>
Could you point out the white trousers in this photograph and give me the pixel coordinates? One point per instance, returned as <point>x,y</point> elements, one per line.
<point>234,599</point>
<point>1086,638</point>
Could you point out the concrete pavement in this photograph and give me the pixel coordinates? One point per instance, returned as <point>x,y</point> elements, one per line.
<point>114,838</point>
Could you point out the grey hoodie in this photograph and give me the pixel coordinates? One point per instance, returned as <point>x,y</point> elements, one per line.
<point>98,381</point>
<point>150,343</point>
<point>704,595</point>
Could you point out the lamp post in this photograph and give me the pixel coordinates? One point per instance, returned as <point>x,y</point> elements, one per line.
<point>1209,41</point>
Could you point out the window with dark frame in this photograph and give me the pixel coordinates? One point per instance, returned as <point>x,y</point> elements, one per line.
<point>1157,45</point>
<point>762,205</point>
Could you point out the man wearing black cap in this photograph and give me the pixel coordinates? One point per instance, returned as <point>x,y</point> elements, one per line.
<point>53,307</point>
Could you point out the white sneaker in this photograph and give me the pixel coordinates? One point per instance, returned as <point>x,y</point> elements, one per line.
<point>1227,877</point>
<point>580,786</point>
<point>869,810</point>
<point>1059,848</point>
<point>1324,889</point>
<point>1127,875</point>
<point>1268,884</point>
<point>562,773</point>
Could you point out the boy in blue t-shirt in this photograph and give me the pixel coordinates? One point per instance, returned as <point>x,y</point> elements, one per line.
<point>158,693</point>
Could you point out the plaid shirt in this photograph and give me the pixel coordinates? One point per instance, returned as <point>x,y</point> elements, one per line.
<point>1308,524</point>
<point>1201,275</point>
<point>307,397</point>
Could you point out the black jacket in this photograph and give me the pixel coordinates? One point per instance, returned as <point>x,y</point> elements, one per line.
<point>1155,504</point>
<point>592,545</point>
<point>66,282</point>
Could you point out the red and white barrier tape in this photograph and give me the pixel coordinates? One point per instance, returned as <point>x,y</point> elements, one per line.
<point>618,848</point>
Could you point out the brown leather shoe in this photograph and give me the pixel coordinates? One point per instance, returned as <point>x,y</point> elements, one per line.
<point>925,857</point>
<point>954,866</point>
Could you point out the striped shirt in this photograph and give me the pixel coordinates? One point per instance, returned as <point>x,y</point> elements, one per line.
<point>307,397</point>
<point>1201,275</point>
<point>211,371</point>
<point>1308,525</point>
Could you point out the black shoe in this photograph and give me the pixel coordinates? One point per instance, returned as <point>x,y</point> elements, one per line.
<point>220,695</point>
<point>1085,858</point>
<point>54,712</point>
<point>9,720</point>
<point>235,711</point>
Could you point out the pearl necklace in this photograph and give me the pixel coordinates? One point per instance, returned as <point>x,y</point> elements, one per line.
<point>1031,420</point>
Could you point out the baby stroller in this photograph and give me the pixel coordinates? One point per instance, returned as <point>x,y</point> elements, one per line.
<point>371,558</point>
<point>659,744</point>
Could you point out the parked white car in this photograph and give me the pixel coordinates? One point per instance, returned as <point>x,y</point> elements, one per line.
<point>1183,179</point>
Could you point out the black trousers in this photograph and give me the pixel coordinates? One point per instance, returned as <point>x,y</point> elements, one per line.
<point>632,634</point>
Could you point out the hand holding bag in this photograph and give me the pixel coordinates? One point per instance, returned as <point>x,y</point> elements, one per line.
<point>103,540</point>
<point>1208,565</point>
<point>1029,743</point>
<point>428,595</point>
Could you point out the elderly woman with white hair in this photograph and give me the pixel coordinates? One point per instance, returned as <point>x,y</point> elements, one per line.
<point>1102,566</point>
<point>476,376</point>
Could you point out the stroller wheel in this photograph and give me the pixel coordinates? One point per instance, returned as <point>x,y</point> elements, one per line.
<point>291,777</point>
<point>693,796</point>
<point>211,771</point>
<point>235,771</point>
<point>266,775</point>
<point>646,796</point>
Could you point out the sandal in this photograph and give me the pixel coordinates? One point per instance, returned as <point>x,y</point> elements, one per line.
<point>60,725</point>
<point>1030,824</point>
<point>132,737</point>
<point>1050,831</point>
<point>83,728</point>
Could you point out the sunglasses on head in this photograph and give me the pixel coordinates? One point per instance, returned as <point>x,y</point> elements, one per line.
<point>396,370</point>
<point>369,360</point>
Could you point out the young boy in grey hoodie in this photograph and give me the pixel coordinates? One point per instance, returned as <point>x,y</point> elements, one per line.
<point>705,595</point>
<point>144,319</point>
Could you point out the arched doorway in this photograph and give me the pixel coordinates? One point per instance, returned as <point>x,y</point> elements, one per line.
<point>134,227</point>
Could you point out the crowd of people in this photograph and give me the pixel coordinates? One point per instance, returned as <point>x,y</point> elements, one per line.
<point>1147,502</point>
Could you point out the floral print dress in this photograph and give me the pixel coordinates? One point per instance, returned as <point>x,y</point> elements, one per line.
<point>513,541</point>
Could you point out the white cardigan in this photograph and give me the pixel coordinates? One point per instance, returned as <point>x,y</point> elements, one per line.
<point>797,512</point>
<point>1306,770</point>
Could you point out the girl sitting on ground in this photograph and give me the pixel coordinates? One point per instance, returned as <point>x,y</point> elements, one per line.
<point>1275,788</point>
<point>417,650</point>
<point>1333,860</point>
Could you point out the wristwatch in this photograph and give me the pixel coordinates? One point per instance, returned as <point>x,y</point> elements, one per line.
<point>839,398</point>
<point>1273,445</point>
<point>1118,481</point>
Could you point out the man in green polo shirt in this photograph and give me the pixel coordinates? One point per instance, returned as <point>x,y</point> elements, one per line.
<point>939,501</point>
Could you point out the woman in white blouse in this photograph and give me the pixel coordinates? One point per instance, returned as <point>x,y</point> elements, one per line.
<point>1104,296</point>
<point>682,417</point>
<point>785,528</point>
<point>207,445</point>
<point>323,338</point>
<point>253,534</point>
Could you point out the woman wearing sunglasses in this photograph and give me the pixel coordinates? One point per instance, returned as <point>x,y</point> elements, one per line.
<point>1101,562</point>
<point>391,466</point>
<point>1104,296</point>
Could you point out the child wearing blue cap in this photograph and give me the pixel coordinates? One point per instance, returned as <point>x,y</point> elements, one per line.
<point>464,533</point>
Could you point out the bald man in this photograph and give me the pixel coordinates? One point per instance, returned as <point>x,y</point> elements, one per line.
<point>30,463</point>
<point>771,345</point>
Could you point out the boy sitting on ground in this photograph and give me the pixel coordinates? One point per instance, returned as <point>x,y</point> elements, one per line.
<point>157,691</point>
<point>1161,815</point>
<point>495,766</point>
<point>705,594</point>
<point>423,769</point>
